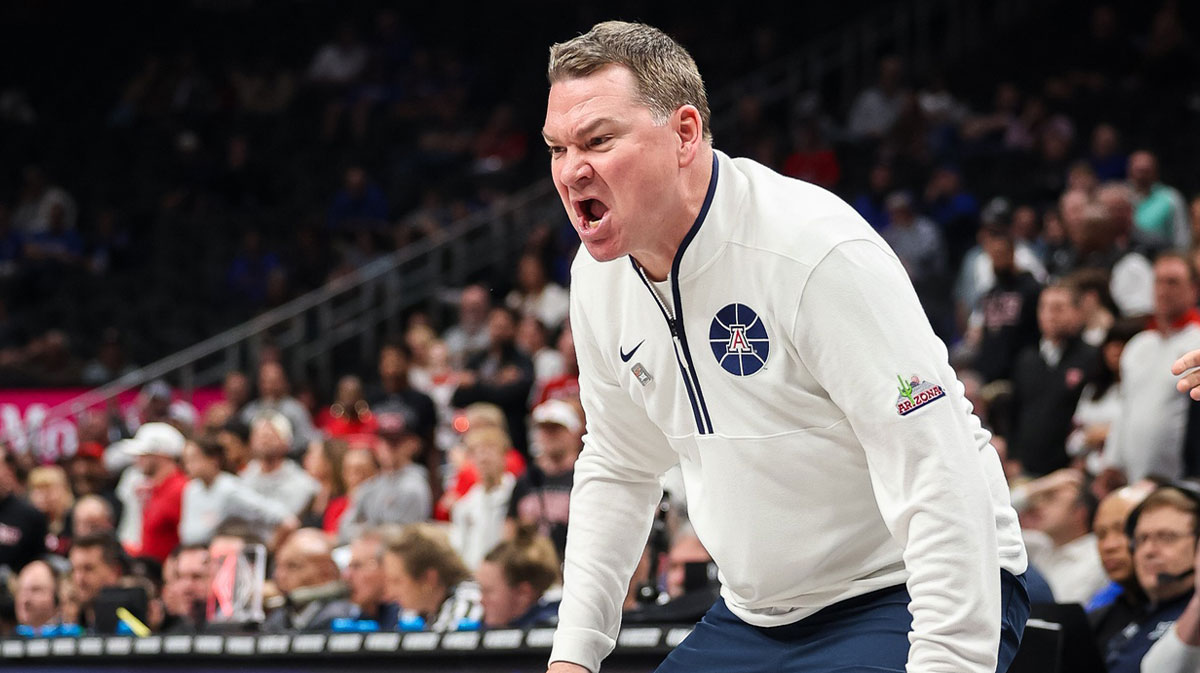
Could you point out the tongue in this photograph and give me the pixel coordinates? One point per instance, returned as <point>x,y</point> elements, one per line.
<point>597,209</point>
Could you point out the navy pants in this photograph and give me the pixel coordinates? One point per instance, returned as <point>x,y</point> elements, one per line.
<point>865,634</point>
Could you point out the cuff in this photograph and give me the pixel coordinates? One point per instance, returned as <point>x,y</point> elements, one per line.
<point>585,647</point>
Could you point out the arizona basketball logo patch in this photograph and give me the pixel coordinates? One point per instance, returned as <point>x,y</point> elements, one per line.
<point>739,340</point>
<point>915,393</point>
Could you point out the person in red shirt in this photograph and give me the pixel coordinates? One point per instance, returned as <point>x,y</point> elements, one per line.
<point>158,447</point>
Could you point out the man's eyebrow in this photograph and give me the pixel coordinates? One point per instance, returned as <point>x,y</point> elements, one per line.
<point>581,131</point>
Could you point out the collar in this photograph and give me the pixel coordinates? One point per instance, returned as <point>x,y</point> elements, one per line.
<point>1192,317</point>
<point>169,483</point>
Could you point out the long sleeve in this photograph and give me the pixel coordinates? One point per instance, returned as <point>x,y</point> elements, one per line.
<point>612,503</point>
<point>861,331</point>
<point>1171,655</point>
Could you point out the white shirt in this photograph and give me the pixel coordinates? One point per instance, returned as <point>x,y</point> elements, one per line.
<point>804,480</point>
<point>205,508</point>
<point>289,485</point>
<point>1073,570</point>
<point>477,520</point>
<point>1171,655</point>
<point>1147,436</point>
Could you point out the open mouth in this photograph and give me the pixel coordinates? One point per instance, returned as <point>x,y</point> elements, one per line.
<point>591,213</point>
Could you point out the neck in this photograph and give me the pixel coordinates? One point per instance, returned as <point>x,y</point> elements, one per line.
<point>270,463</point>
<point>556,464</point>
<point>1062,538</point>
<point>658,259</point>
<point>491,481</point>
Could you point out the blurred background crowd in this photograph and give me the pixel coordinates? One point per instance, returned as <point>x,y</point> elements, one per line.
<point>1042,193</point>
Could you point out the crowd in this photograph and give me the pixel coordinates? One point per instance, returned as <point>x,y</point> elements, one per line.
<point>433,492</point>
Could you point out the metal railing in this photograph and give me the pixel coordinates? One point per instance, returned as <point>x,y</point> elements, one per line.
<point>308,328</point>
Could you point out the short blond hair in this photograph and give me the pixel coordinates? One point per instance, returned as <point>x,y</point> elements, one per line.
<point>666,75</point>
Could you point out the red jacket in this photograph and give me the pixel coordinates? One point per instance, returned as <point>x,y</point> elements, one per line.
<point>160,517</point>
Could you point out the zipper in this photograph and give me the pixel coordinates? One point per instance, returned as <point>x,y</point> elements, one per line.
<point>683,355</point>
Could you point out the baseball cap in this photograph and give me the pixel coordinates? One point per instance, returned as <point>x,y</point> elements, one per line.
<point>93,450</point>
<point>557,412</point>
<point>154,438</point>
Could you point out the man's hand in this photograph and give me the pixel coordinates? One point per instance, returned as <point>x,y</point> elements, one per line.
<point>564,667</point>
<point>1191,383</point>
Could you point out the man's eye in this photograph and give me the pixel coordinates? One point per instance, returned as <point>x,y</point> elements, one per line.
<point>599,140</point>
<point>555,150</point>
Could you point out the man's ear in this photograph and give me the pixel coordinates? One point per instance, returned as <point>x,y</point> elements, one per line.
<point>689,129</point>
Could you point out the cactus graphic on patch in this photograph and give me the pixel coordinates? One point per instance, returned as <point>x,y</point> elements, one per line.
<point>915,393</point>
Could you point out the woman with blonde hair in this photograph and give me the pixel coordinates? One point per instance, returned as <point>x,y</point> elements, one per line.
<point>50,493</point>
<point>424,574</point>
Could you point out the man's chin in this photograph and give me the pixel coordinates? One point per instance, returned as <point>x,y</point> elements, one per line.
<point>602,251</point>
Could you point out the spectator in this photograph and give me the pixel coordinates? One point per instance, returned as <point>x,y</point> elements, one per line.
<point>1106,158</point>
<point>36,596</point>
<point>565,386</point>
<point>323,462</point>
<point>477,415</point>
<point>50,494</point>
<point>92,514</point>
<point>686,549</point>
<point>96,563</point>
<point>469,337</point>
<point>349,414</point>
<point>187,586</point>
<point>1005,323</point>
<point>1061,510</point>
<point>235,389</point>
<point>542,496</point>
<point>110,362</point>
<point>214,496</point>
<point>234,438</point>
<point>531,340</point>
<point>501,375</point>
<point>395,395</point>
<point>1147,437</point>
<point>876,108</point>
<point>272,474</point>
<point>313,592</point>
<point>1047,381</point>
<point>157,448</point>
<point>1100,401</point>
<point>359,205</point>
<point>870,204</point>
<point>1097,311</point>
<point>1159,210</point>
<point>274,396</point>
<point>1164,551</point>
<point>426,577</point>
<point>811,158</point>
<point>477,519</point>
<point>917,242</point>
<point>977,274</point>
<point>1113,607</point>
<point>536,296</point>
<point>1178,650</point>
<point>1132,283</point>
<point>251,271</point>
<point>954,209</point>
<point>338,64</point>
<point>359,464</point>
<point>515,581</point>
<point>400,494</point>
<point>364,577</point>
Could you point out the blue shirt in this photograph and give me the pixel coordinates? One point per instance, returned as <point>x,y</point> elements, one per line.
<point>1126,649</point>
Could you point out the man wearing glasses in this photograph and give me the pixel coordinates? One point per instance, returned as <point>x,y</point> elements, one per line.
<point>1164,555</point>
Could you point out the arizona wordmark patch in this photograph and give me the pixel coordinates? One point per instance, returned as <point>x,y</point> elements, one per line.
<point>915,393</point>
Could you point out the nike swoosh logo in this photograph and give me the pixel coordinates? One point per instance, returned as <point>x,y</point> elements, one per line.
<point>625,356</point>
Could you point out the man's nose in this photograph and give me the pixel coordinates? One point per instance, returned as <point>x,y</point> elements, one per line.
<point>576,168</point>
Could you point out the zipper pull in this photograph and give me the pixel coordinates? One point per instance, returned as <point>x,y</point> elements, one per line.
<point>674,331</point>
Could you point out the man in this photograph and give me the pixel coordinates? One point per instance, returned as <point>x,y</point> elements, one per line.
<point>756,337</point>
<point>364,576</point>
<point>1047,381</point>
<point>396,395</point>
<point>186,578</point>
<point>96,563</point>
<point>1178,651</point>
<point>542,496</point>
<point>309,580</point>
<point>22,526</point>
<point>273,396</point>
<point>1159,210</point>
<point>272,474</point>
<point>1164,531</point>
<point>1006,321</point>
<point>1132,282</point>
<point>36,596</point>
<point>400,493</point>
<point>91,514</point>
<point>158,448</point>
<point>502,375</point>
<point>1114,607</point>
<point>1059,537</point>
<point>470,336</point>
<point>917,241</point>
<point>1147,436</point>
